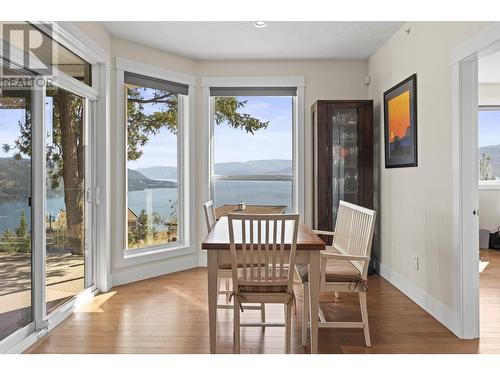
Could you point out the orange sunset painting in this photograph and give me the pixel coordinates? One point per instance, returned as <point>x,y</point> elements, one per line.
<point>399,116</point>
<point>400,124</point>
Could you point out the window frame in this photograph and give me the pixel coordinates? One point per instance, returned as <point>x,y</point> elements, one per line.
<point>488,184</point>
<point>124,257</point>
<point>297,177</point>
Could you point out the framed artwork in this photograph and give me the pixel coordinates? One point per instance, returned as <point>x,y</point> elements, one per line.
<point>400,124</point>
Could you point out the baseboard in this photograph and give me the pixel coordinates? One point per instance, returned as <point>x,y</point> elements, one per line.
<point>158,268</point>
<point>202,262</point>
<point>440,312</point>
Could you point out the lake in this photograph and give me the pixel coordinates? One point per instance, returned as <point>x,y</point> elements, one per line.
<point>162,200</point>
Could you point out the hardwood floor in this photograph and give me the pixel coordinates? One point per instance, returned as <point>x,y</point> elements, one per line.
<point>168,314</point>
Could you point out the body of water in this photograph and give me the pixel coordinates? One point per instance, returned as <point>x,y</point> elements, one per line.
<point>164,201</point>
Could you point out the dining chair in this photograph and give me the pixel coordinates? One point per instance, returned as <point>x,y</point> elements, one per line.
<point>265,246</point>
<point>224,271</point>
<point>344,265</point>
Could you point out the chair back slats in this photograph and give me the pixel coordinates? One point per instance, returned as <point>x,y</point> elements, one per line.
<point>354,233</point>
<point>266,245</point>
<point>209,215</point>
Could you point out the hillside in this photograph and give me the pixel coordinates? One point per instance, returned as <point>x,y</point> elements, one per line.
<point>159,173</point>
<point>137,181</point>
<point>15,181</point>
<point>494,152</point>
<point>252,167</point>
<point>15,177</point>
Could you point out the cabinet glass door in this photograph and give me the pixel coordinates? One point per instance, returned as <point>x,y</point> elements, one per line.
<point>345,157</point>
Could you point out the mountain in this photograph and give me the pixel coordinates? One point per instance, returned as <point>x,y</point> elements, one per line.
<point>15,177</point>
<point>159,173</point>
<point>252,167</point>
<point>494,153</point>
<point>255,167</point>
<point>137,181</point>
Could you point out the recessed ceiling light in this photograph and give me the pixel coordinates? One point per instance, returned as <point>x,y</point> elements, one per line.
<point>260,24</point>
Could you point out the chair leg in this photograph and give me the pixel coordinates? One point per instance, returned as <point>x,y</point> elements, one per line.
<point>364,316</point>
<point>236,327</point>
<point>227,288</point>
<point>305,313</point>
<point>218,288</point>
<point>263,313</point>
<point>288,328</point>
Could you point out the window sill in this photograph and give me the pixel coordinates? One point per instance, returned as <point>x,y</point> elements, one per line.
<point>153,254</point>
<point>489,185</point>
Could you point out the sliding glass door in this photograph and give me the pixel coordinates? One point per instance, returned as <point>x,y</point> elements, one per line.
<point>66,202</point>
<point>45,188</point>
<point>15,211</point>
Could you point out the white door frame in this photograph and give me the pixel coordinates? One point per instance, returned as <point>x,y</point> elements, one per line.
<point>465,176</point>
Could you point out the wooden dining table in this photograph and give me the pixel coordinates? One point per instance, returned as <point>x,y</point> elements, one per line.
<point>308,250</point>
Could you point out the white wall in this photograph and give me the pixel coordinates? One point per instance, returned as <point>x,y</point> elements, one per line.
<point>489,208</point>
<point>416,203</point>
<point>489,93</point>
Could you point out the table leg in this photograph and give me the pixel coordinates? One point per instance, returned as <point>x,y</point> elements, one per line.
<point>212,298</point>
<point>314,285</point>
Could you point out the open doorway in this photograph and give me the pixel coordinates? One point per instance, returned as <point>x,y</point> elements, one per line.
<point>488,131</point>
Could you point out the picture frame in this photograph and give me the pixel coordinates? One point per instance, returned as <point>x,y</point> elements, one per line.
<point>400,124</point>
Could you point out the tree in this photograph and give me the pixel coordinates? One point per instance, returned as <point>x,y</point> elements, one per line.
<point>485,168</point>
<point>145,229</point>
<point>23,235</point>
<point>8,241</point>
<point>141,126</point>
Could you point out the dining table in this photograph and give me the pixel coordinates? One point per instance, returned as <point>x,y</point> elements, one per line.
<point>308,249</point>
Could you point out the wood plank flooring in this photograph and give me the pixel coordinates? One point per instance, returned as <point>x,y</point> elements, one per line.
<point>168,314</point>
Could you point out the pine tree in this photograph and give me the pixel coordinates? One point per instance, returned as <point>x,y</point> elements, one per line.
<point>23,235</point>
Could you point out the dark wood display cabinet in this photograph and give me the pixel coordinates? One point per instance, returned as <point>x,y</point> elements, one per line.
<point>342,157</point>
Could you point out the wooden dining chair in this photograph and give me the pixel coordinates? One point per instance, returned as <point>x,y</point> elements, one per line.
<point>344,265</point>
<point>224,271</point>
<point>265,246</point>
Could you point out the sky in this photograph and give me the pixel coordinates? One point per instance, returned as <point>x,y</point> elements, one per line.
<point>275,142</point>
<point>9,129</point>
<point>230,144</point>
<point>489,128</point>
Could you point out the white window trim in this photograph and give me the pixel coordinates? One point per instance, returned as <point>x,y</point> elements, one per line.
<point>488,184</point>
<point>185,164</point>
<point>298,185</point>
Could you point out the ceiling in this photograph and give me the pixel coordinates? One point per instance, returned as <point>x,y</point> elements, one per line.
<point>489,68</point>
<point>241,40</point>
